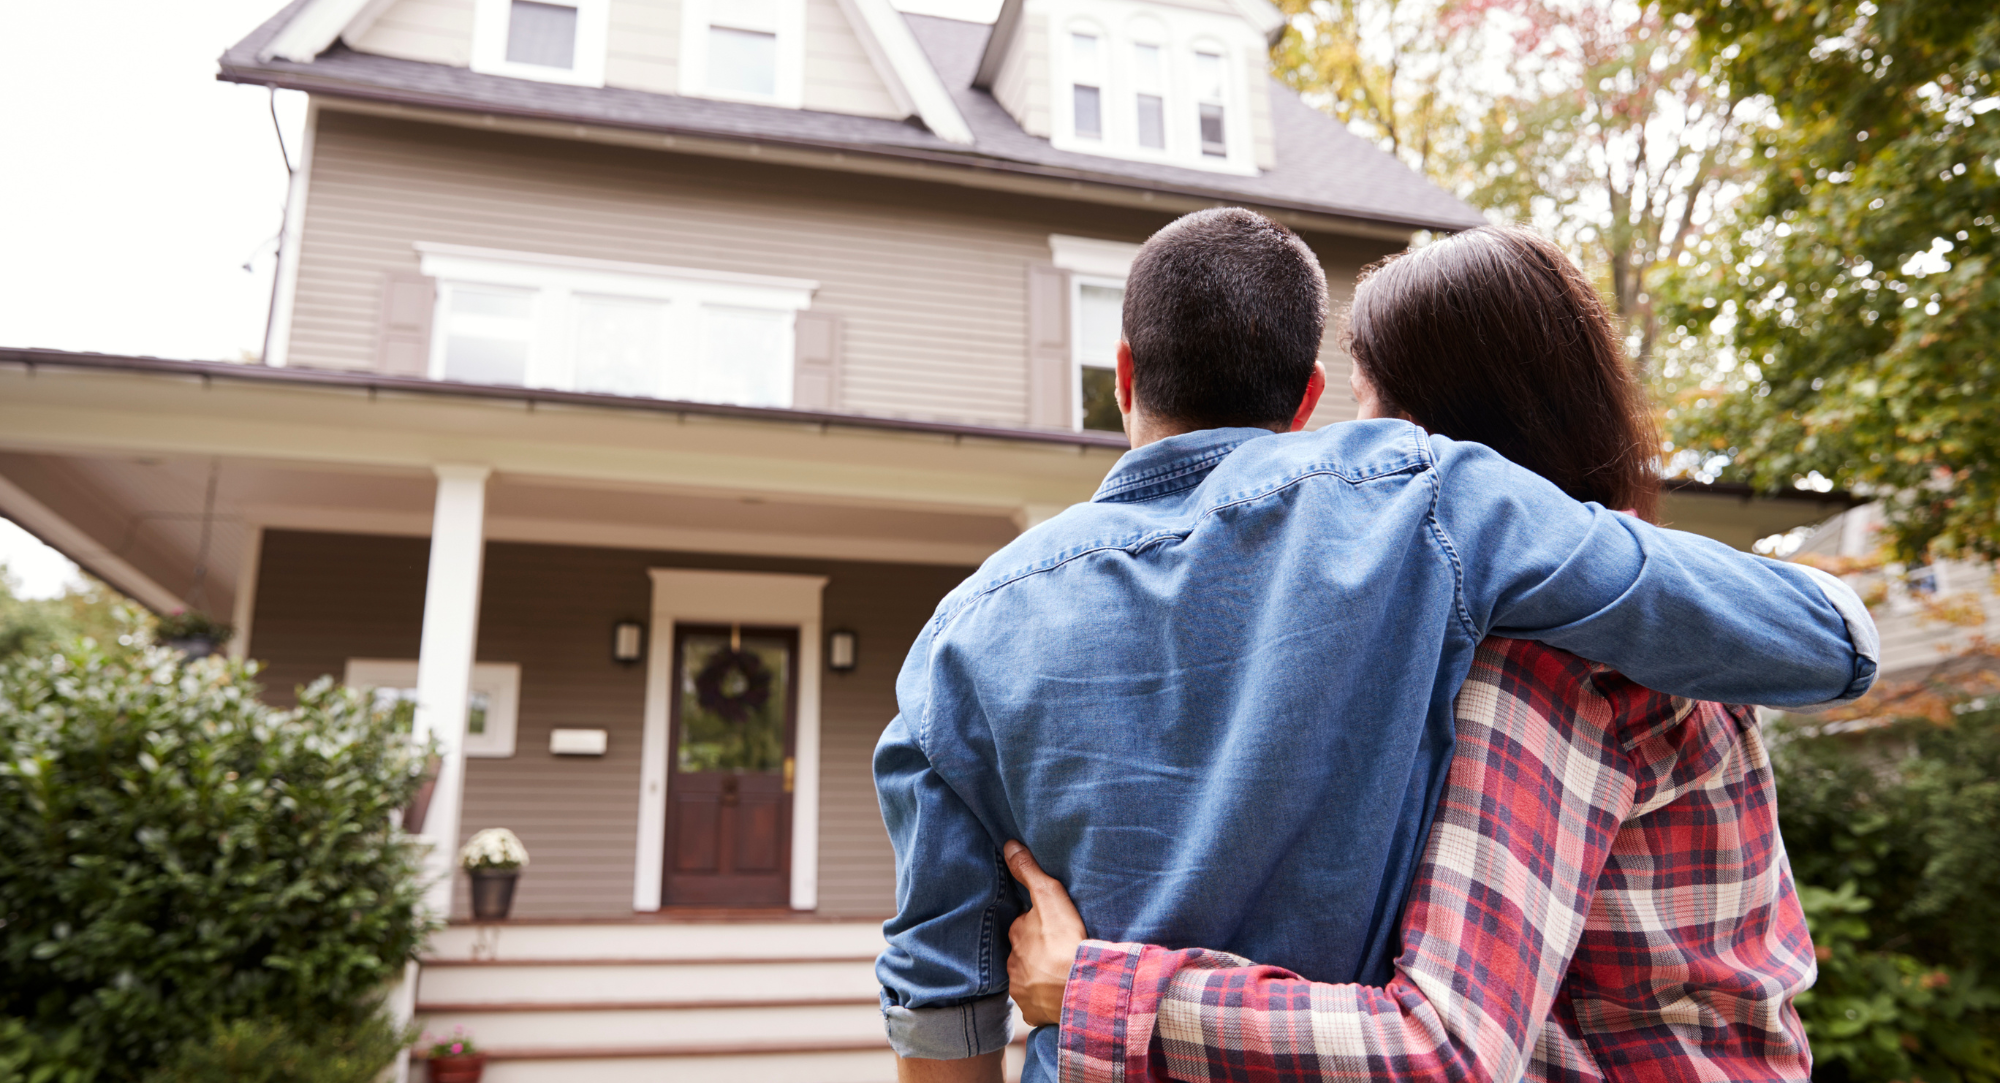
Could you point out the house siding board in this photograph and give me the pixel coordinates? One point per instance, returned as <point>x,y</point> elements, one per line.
<point>644,49</point>
<point>433,31</point>
<point>1263,141</point>
<point>931,293</point>
<point>325,598</point>
<point>838,76</point>
<point>1022,86</point>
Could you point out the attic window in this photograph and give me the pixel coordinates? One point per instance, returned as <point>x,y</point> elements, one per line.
<point>743,50</point>
<point>1149,96</point>
<point>551,41</point>
<point>543,34</point>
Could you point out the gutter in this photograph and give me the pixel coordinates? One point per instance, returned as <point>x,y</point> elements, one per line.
<point>375,383</point>
<point>312,83</point>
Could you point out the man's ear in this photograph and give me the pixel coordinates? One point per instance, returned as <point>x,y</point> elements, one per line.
<point>1315,387</point>
<point>1124,377</point>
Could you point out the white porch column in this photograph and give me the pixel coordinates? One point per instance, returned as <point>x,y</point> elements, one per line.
<point>444,657</point>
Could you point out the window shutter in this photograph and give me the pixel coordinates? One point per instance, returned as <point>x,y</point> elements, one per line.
<point>403,341</point>
<point>1049,376</point>
<point>816,337</point>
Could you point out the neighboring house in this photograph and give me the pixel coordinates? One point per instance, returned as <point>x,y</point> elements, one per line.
<point>641,374</point>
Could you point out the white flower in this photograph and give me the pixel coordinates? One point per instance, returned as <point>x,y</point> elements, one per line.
<point>495,848</point>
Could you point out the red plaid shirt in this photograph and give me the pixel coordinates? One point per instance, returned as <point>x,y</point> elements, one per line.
<point>1604,896</point>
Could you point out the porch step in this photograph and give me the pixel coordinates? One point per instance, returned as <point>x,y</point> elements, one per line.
<point>773,1065</point>
<point>693,1027</point>
<point>662,942</point>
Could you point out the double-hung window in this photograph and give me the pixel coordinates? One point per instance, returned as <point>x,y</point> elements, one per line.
<point>1098,306</point>
<point>1087,85</point>
<point>1209,81</point>
<point>641,330</point>
<point>556,41</point>
<point>743,50</point>
<point>1149,96</point>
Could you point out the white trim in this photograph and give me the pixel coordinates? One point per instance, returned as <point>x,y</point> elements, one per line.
<point>447,255</point>
<point>278,337</point>
<point>1091,256</point>
<point>900,61</point>
<point>1076,284</point>
<point>247,570</point>
<point>66,538</point>
<point>340,520</point>
<point>490,23</point>
<point>312,30</point>
<point>789,78</point>
<point>709,597</point>
<point>444,660</point>
<point>365,19</point>
<point>501,681</point>
<point>1267,17</point>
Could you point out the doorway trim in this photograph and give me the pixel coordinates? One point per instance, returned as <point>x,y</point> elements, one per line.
<point>707,597</point>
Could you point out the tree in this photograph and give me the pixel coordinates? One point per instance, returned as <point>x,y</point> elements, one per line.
<point>1594,120</point>
<point>30,625</point>
<point>1843,328</point>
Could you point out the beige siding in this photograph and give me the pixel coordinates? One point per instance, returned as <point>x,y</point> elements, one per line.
<point>1263,144</point>
<point>434,31</point>
<point>838,76</point>
<point>324,598</point>
<point>1022,86</point>
<point>644,49</point>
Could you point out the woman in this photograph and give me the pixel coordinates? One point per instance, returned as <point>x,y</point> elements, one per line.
<point>1603,894</point>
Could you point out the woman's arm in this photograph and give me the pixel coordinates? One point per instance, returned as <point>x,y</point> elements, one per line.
<point>1546,772</point>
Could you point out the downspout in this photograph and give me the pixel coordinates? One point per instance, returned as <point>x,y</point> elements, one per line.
<point>284,226</point>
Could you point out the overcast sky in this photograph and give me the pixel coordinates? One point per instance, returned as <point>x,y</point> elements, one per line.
<point>136,187</point>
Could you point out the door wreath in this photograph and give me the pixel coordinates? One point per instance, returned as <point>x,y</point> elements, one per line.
<point>733,684</point>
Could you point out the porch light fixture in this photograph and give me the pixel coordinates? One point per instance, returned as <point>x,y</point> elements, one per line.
<point>841,649</point>
<point>628,641</point>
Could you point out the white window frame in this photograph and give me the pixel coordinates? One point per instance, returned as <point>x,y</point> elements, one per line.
<point>1090,261</point>
<point>490,22</point>
<point>500,682</point>
<point>1076,284</point>
<point>1178,33</point>
<point>559,279</point>
<point>789,84</point>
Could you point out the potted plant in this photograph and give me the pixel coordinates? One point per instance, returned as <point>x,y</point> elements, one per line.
<point>454,1059</point>
<point>494,860</point>
<point>191,632</point>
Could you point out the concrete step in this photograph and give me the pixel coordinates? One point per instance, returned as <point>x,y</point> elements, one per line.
<point>658,942</point>
<point>773,1064</point>
<point>592,1027</point>
<point>610,981</point>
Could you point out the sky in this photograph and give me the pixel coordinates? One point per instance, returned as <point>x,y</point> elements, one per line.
<point>136,189</point>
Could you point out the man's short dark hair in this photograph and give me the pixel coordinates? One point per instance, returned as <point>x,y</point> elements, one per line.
<point>1224,311</point>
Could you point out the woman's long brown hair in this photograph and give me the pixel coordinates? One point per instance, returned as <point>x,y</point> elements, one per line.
<point>1494,335</point>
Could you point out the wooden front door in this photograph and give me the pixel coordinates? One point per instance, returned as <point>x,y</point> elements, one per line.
<point>729,787</point>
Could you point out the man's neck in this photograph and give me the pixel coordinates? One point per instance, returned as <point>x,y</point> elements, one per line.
<point>1142,429</point>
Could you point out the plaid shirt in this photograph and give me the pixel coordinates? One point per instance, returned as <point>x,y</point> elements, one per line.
<point>1604,896</point>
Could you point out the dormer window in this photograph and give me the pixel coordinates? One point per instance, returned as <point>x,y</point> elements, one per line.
<point>1149,96</point>
<point>1209,86</point>
<point>1087,88</point>
<point>743,50</point>
<point>1158,85</point>
<point>553,41</point>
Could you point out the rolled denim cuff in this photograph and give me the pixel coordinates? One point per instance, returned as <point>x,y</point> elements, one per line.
<point>971,1029</point>
<point>1860,631</point>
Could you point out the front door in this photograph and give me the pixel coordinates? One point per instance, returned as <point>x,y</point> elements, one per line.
<point>729,784</point>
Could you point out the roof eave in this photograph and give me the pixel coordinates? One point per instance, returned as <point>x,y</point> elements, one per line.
<point>1370,223</point>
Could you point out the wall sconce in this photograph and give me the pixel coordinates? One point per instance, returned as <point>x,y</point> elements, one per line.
<point>842,648</point>
<point>628,641</point>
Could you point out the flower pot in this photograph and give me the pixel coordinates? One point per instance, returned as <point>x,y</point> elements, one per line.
<point>492,893</point>
<point>465,1069</point>
<point>195,647</point>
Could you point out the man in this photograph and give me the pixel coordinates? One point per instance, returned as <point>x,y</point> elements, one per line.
<point>1216,700</point>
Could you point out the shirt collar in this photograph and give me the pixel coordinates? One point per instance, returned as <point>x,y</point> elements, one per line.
<point>1171,465</point>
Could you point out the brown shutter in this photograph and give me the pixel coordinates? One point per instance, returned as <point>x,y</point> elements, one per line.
<point>1049,390</point>
<point>816,360</point>
<point>403,341</point>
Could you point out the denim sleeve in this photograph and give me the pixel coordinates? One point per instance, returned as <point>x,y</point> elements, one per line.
<point>1677,612</point>
<point>944,972</point>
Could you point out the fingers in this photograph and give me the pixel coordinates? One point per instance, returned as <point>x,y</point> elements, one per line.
<point>1042,887</point>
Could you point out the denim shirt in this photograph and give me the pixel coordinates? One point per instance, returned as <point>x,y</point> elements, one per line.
<point>1216,701</point>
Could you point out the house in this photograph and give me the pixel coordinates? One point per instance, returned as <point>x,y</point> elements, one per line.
<point>640,375</point>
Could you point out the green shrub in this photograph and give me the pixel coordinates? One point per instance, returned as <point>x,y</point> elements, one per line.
<point>1902,826</point>
<point>267,1051</point>
<point>174,853</point>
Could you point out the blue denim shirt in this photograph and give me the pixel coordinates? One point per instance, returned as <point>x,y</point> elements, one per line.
<point>1216,701</point>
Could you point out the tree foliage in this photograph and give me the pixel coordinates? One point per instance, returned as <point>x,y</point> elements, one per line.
<point>1895,841</point>
<point>32,625</point>
<point>175,855</point>
<point>1845,326</point>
